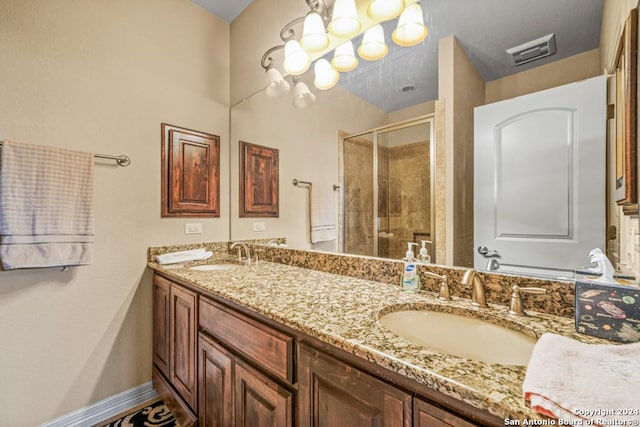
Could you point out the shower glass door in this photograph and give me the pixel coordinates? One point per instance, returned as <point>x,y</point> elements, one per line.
<point>386,209</point>
<point>358,202</point>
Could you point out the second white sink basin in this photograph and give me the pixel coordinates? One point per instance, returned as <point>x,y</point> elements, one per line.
<point>215,267</point>
<point>461,336</point>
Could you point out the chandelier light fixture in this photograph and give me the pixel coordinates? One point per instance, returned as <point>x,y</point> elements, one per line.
<point>373,46</point>
<point>332,25</point>
<point>302,96</point>
<point>326,75</point>
<point>411,29</point>
<point>344,59</point>
<point>384,10</point>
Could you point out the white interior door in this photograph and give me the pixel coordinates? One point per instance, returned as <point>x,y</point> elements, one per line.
<point>539,174</point>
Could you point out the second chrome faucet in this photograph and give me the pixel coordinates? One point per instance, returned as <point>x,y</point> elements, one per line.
<point>471,278</point>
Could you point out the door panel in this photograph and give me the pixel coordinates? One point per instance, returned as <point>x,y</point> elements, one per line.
<point>215,391</point>
<point>539,178</point>
<point>183,343</point>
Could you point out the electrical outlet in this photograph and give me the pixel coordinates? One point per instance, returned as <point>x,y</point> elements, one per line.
<point>193,228</point>
<point>259,226</point>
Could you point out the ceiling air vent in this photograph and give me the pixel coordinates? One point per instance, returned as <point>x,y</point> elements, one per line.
<point>535,49</point>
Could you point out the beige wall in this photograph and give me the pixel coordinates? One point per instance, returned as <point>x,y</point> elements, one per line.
<point>252,33</point>
<point>568,70</point>
<point>308,144</point>
<point>412,112</point>
<point>462,89</point>
<point>101,76</point>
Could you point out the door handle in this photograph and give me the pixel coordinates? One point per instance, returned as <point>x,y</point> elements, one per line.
<point>488,253</point>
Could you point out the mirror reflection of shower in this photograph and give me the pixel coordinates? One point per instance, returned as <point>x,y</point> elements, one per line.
<point>382,211</point>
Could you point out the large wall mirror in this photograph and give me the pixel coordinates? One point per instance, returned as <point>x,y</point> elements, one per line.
<point>399,89</point>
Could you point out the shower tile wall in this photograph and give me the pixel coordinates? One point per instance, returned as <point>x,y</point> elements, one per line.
<point>358,199</point>
<point>409,202</point>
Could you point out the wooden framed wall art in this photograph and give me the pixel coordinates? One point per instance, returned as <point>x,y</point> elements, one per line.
<point>259,181</point>
<point>190,173</point>
<point>626,189</point>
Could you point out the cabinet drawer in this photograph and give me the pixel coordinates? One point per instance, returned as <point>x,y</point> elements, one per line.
<point>270,349</point>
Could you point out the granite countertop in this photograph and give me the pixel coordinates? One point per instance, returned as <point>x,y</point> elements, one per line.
<point>343,311</point>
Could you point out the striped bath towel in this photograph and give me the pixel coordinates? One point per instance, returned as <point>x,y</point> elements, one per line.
<point>46,206</point>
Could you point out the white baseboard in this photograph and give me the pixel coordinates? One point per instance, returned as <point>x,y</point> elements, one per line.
<point>106,408</point>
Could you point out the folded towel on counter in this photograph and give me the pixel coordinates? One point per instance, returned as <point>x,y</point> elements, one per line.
<point>322,211</point>
<point>47,211</point>
<point>184,256</point>
<point>570,380</point>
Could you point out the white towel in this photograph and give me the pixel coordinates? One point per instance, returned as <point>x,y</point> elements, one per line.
<point>322,210</point>
<point>184,256</point>
<point>570,380</point>
<point>46,206</point>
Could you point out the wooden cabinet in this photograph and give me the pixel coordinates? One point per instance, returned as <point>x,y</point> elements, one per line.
<point>190,173</point>
<point>332,393</point>
<point>161,321</point>
<point>174,343</point>
<point>428,415</point>
<point>236,388</point>
<point>215,384</point>
<point>243,370</point>
<point>182,365</point>
<point>259,401</point>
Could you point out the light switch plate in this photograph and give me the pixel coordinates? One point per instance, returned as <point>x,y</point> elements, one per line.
<point>193,228</point>
<point>259,226</point>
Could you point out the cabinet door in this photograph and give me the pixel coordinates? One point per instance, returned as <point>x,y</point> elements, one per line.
<point>427,415</point>
<point>215,384</point>
<point>260,402</point>
<point>332,393</point>
<point>183,343</point>
<point>161,320</point>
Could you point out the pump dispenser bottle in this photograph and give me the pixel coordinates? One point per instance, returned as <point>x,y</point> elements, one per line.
<point>423,256</point>
<point>410,280</point>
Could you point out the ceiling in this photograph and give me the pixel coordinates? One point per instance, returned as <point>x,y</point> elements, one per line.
<point>484,28</point>
<point>225,9</point>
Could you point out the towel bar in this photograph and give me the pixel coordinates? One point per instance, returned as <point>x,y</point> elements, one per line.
<point>122,160</point>
<point>297,181</point>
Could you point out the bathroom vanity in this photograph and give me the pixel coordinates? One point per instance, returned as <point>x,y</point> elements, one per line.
<point>274,344</point>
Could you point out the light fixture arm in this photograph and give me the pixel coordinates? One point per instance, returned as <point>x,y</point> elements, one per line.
<point>267,60</point>
<point>323,7</point>
<point>288,33</point>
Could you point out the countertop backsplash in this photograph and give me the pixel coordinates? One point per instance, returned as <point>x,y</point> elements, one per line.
<point>558,300</point>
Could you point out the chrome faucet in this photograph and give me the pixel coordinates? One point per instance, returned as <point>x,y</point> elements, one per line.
<point>516,307</point>
<point>244,246</point>
<point>443,293</point>
<point>472,279</point>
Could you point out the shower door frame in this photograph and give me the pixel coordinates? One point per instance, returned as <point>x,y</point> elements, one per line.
<point>430,119</point>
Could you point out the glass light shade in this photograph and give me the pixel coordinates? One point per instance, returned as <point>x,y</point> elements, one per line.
<point>373,46</point>
<point>344,21</point>
<point>314,38</point>
<point>411,29</point>
<point>276,85</point>
<point>296,60</point>
<point>384,10</point>
<point>302,96</point>
<point>343,57</point>
<point>326,75</point>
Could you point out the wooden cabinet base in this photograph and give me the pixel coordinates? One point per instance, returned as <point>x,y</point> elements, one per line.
<point>178,407</point>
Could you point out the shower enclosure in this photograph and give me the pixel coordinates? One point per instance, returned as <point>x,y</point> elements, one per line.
<point>387,177</point>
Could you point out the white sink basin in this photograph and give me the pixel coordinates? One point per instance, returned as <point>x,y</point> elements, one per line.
<point>215,267</point>
<point>461,336</point>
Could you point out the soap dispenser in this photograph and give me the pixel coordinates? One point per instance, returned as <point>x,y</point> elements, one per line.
<point>423,256</point>
<point>410,255</point>
<point>410,280</point>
